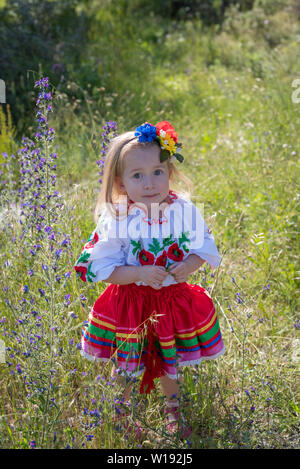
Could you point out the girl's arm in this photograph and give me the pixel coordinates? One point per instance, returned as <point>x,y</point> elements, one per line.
<point>193,262</point>
<point>125,274</point>
<point>153,275</point>
<point>182,270</point>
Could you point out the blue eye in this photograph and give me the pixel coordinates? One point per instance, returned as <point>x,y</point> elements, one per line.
<point>159,170</point>
<point>136,175</point>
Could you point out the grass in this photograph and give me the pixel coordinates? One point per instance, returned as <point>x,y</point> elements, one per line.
<point>229,96</point>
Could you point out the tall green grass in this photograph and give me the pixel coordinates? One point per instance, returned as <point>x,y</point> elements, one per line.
<point>228,94</point>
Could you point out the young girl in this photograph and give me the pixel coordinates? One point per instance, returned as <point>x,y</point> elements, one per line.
<point>147,242</point>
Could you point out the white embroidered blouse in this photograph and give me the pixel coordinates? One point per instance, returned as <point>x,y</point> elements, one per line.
<point>177,231</point>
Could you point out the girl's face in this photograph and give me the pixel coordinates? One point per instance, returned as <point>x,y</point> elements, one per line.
<point>145,179</point>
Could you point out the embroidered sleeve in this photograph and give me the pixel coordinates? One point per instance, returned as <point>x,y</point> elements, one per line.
<point>202,241</point>
<point>103,251</point>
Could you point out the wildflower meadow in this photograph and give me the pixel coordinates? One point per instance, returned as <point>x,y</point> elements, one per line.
<point>232,87</point>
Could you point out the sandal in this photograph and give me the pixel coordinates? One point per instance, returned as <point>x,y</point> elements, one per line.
<point>175,424</point>
<point>138,430</point>
<point>122,410</point>
<point>123,420</point>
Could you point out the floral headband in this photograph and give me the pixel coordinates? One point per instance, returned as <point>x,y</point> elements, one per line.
<point>164,134</point>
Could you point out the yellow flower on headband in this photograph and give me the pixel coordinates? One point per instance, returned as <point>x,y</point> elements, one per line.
<point>164,134</point>
<point>166,142</point>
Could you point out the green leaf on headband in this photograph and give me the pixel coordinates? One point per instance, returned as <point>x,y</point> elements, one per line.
<point>179,157</point>
<point>164,155</point>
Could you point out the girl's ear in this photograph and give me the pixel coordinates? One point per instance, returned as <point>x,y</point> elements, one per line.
<point>120,185</point>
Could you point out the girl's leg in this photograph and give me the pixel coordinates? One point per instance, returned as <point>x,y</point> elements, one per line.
<point>121,380</point>
<point>170,387</point>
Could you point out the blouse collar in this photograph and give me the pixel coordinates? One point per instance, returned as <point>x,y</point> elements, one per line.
<point>169,200</point>
<point>172,196</point>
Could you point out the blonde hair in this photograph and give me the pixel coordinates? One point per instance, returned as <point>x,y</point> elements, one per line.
<point>114,167</point>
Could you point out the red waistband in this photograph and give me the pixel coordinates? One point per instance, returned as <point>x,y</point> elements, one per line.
<point>148,289</point>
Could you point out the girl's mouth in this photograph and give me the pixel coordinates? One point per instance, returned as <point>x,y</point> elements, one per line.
<point>154,195</point>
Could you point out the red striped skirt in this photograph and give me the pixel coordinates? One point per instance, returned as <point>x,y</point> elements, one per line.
<point>156,331</point>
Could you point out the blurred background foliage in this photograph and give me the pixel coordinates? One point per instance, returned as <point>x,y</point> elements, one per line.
<point>222,73</point>
<point>129,61</point>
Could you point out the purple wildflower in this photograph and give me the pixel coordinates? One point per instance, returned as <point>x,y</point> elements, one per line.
<point>110,131</point>
<point>67,299</point>
<point>42,83</point>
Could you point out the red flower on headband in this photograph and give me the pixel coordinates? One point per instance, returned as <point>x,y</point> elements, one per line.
<point>167,127</point>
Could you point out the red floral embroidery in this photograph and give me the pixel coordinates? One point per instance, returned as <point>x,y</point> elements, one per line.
<point>170,200</point>
<point>129,203</point>
<point>93,241</point>
<point>146,258</point>
<point>81,272</point>
<point>162,259</point>
<point>175,253</point>
<point>171,197</point>
<point>160,220</point>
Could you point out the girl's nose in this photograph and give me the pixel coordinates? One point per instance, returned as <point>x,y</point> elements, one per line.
<point>148,182</point>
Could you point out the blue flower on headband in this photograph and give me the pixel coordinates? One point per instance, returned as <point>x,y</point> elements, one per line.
<point>146,132</point>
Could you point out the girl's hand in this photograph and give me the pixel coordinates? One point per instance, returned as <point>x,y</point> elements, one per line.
<point>153,275</point>
<point>180,271</point>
